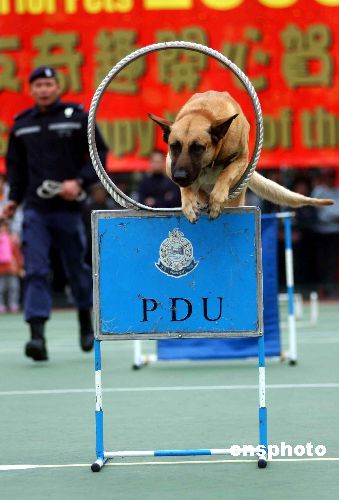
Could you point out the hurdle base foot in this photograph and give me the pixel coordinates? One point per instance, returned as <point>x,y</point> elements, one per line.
<point>292,362</point>
<point>98,464</point>
<point>262,463</point>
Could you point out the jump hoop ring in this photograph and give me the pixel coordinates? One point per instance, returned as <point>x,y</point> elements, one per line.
<point>108,184</point>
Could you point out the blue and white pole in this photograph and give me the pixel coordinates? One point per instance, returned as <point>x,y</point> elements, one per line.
<point>262,462</point>
<point>99,414</point>
<point>290,288</point>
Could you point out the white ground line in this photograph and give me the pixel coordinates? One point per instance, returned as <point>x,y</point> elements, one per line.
<point>181,462</point>
<point>319,341</point>
<point>329,385</point>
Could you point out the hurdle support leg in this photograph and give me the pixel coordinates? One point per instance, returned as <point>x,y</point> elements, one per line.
<point>290,292</point>
<point>262,457</point>
<point>99,414</point>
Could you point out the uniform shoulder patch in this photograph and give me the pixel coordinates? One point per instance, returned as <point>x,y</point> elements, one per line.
<point>70,109</point>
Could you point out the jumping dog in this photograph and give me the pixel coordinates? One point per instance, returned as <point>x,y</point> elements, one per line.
<point>208,154</point>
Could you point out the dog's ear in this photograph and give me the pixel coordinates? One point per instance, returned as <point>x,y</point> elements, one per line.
<point>219,128</point>
<point>164,124</point>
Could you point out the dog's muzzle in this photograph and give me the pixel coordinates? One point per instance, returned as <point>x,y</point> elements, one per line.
<point>181,178</point>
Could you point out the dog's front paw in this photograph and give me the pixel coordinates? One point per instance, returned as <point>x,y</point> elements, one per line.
<point>214,210</point>
<point>191,212</point>
<point>191,204</point>
<point>215,205</point>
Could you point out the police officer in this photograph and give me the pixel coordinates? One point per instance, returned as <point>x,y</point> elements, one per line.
<point>48,169</point>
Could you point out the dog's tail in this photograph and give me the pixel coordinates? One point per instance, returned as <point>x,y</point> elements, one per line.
<point>275,193</point>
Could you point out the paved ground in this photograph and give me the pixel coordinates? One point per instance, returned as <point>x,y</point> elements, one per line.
<point>47,420</point>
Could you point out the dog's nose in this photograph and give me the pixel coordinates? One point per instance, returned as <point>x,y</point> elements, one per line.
<point>179,175</point>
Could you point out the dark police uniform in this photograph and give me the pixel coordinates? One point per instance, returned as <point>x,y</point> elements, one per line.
<point>51,145</point>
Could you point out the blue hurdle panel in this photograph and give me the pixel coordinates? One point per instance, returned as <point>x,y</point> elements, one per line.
<point>177,279</point>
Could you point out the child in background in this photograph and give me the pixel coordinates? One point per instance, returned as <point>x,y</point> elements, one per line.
<point>11,268</point>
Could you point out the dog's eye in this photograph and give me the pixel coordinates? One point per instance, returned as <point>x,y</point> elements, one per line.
<point>175,148</point>
<point>197,148</point>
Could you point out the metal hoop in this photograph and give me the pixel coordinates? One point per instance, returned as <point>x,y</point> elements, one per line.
<point>108,184</point>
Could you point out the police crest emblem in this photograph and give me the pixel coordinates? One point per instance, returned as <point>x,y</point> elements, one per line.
<point>176,255</point>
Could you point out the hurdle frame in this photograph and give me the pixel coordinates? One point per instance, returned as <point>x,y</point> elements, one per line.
<point>103,455</point>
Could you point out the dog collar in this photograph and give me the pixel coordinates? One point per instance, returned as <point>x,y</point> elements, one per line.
<point>217,151</point>
<point>224,163</point>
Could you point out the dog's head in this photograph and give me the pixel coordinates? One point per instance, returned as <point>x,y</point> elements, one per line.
<point>193,144</point>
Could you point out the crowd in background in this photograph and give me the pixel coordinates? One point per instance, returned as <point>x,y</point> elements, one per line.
<point>315,231</point>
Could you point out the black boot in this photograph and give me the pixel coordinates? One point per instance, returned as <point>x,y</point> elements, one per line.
<point>86,329</point>
<point>36,347</point>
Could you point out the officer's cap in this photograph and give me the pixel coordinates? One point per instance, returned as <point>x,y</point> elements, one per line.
<point>42,72</point>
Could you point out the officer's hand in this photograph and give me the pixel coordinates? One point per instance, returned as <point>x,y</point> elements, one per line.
<point>9,209</point>
<point>70,190</point>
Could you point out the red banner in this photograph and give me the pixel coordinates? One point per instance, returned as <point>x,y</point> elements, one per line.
<point>288,48</point>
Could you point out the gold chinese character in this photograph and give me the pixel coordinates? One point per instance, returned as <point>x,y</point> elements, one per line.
<point>182,68</point>
<point>243,54</point>
<point>59,50</point>
<point>307,62</point>
<point>8,67</point>
<point>113,46</point>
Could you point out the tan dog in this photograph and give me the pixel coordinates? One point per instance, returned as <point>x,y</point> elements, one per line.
<point>208,154</point>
